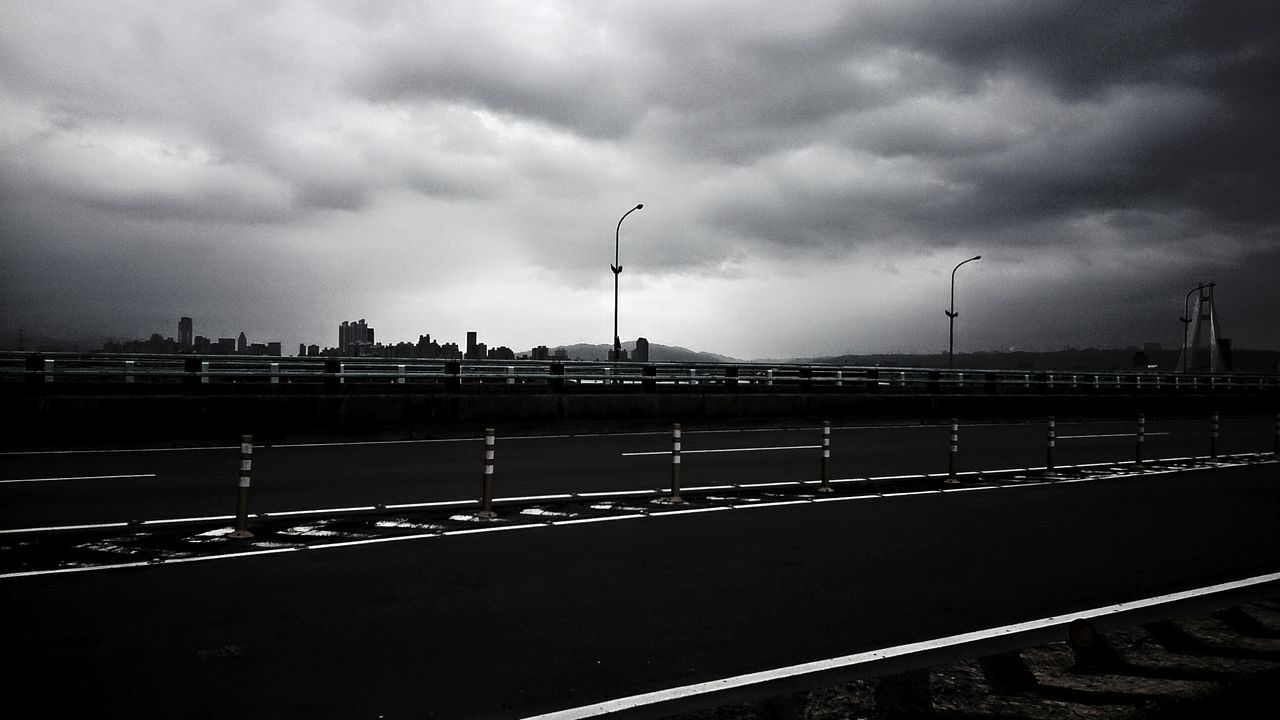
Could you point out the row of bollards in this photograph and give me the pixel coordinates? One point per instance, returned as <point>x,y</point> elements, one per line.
<point>487,512</point>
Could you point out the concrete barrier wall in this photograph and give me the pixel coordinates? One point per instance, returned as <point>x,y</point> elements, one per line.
<point>51,420</point>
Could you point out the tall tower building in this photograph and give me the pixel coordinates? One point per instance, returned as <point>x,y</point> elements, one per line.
<point>471,344</point>
<point>242,343</point>
<point>185,336</point>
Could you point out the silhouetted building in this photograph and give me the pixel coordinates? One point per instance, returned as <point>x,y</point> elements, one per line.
<point>641,353</point>
<point>502,352</point>
<point>225,346</point>
<point>242,343</point>
<point>355,338</point>
<point>472,346</point>
<point>541,353</point>
<point>184,333</point>
<point>313,350</point>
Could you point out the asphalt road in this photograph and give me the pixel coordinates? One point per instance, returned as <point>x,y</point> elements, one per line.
<point>67,488</point>
<point>509,624</point>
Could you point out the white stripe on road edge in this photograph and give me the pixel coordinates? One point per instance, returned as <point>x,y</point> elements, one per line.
<point>724,450</point>
<point>78,477</point>
<point>125,450</point>
<point>862,658</point>
<point>1110,435</point>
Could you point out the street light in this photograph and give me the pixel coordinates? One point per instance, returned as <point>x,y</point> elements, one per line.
<point>951,314</point>
<point>1186,320</point>
<point>617,270</point>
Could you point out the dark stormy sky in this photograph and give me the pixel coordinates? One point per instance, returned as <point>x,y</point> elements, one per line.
<point>811,171</point>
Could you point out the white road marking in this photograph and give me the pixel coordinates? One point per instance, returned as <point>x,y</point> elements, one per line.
<point>128,450</point>
<point>862,658</point>
<point>724,450</point>
<point>78,477</point>
<point>1110,435</point>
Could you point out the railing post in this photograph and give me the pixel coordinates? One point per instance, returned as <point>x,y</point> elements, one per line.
<point>275,373</point>
<point>1213,435</point>
<point>954,450</point>
<point>453,374</point>
<point>1051,439</point>
<point>839,378</point>
<point>128,370</point>
<point>48,370</point>
<point>35,369</point>
<point>486,496</point>
<point>826,458</point>
<point>1141,440</point>
<point>731,377</point>
<point>768,377</point>
<point>242,497</point>
<point>400,380</point>
<point>511,374</point>
<point>675,498</point>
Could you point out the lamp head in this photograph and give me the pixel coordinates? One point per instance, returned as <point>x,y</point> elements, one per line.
<point>639,206</point>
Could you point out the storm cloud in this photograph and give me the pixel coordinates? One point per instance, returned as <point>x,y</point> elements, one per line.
<point>811,171</point>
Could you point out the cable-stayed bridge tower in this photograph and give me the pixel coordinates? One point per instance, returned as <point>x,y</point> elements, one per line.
<point>1202,343</point>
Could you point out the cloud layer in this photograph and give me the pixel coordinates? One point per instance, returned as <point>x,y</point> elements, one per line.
<point>811,172</point>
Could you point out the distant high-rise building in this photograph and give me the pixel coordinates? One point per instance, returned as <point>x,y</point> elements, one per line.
<point>541,353</point>
<point>302,349</point>
<point>641,353</point>
<point>354,337</point>
<point>242,343</point>
<point>185,337</point>
<point>471,345</point>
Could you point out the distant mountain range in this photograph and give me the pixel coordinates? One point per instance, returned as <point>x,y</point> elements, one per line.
<point>657,353</point>
<point>1085,359</point>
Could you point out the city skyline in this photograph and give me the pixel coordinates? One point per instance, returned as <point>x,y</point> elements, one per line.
<point>810,174</point>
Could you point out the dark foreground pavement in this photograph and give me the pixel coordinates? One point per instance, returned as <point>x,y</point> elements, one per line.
<point>1223,664</point>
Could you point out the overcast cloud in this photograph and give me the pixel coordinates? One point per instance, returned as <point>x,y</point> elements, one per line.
<point>811,171</point>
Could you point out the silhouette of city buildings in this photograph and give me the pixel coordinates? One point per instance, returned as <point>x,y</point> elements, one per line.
<point>190,343</point>
<point>355,339</point>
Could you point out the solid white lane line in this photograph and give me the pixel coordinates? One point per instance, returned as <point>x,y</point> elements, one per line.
<point>862,658</point>
<point>724,450</point>
<point>78,477</point>
<point>1110,435</point>
<point>128,450</point>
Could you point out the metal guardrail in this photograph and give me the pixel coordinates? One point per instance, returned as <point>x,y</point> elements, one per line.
<point>199,370</point>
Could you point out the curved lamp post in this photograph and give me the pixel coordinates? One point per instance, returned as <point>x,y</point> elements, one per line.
<point>951,314</point>
<point>1186,325</point>
<point>617,270</point>
<point>1186,320</point>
